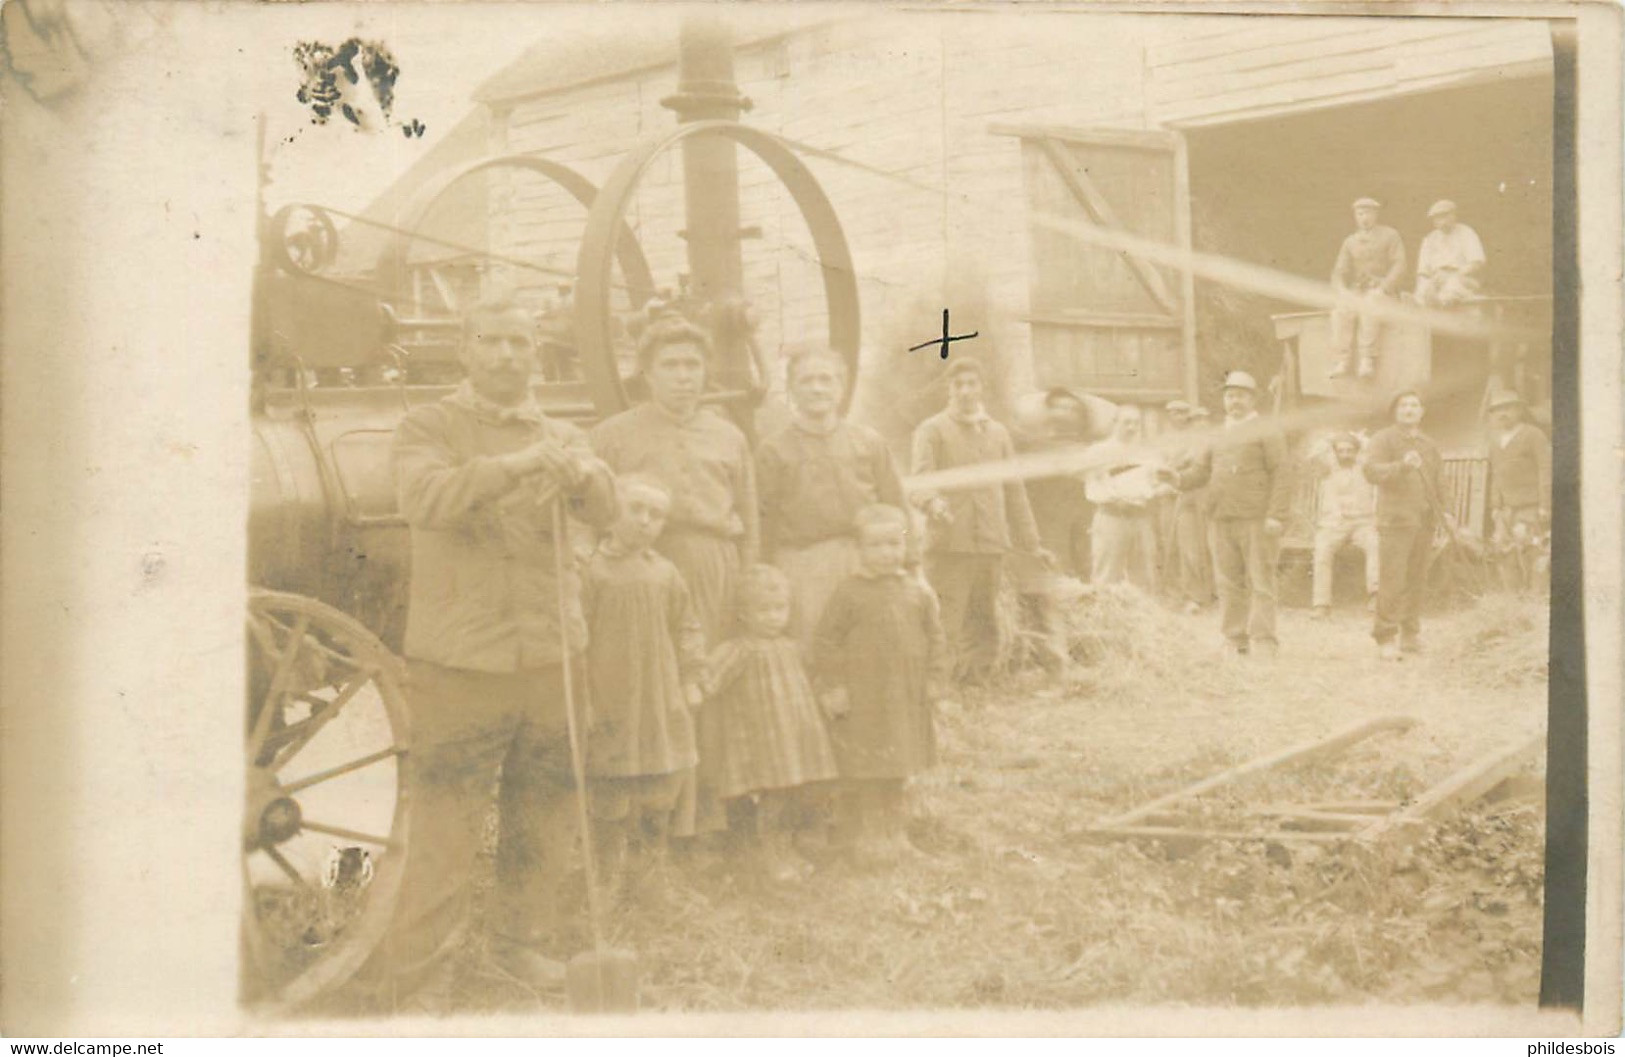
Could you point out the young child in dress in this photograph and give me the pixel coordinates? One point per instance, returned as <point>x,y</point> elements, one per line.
<point>645,670</point>
<point>764,750</point>
<point>881,666</point>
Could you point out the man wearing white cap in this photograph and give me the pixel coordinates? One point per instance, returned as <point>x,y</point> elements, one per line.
<point>1246,474</point>
<point>1450,259</point>
<point>1371,265</point>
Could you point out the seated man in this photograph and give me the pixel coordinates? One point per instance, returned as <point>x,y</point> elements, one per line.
<point>1450,259</point>
<point>1347,514</point>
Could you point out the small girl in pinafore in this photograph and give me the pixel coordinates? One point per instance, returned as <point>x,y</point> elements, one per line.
<point>881,664</point>
<point>645,668</point>
<point>764,751</point>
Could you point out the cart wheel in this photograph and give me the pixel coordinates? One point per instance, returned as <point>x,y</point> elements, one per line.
<point>325,813</point>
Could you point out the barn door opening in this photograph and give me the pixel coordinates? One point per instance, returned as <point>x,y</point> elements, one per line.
<point>1104,319</point>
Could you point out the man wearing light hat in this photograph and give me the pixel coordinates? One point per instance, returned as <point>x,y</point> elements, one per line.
<point>1246,474</point>
<point>1370,265</point>
<point>1450,259</point>
<point>1520,488</point>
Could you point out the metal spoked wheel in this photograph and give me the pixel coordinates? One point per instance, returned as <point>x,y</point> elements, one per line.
<point>325,813</point>
<point>606,221</point>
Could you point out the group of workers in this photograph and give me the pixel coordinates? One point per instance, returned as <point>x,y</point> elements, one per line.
<point>745,638</point>
<point>1371,266</point>
<point>1196,513</point>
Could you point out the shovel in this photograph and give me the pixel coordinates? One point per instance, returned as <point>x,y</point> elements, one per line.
<point>602,980</point>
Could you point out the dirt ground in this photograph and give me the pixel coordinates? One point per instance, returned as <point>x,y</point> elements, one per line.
<point>1008,905</point>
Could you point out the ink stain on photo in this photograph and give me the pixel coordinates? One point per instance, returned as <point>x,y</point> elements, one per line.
<point>355,80</point>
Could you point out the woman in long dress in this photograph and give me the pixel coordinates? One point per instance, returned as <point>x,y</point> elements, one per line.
<point>704,462</point>
<point>814,475</point>
<point>701,457</point>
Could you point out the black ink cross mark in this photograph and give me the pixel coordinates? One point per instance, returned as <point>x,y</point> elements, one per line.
<point>945,339</point>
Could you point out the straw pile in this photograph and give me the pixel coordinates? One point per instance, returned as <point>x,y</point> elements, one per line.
<point>1500,642</point>
<point>1125,643</point>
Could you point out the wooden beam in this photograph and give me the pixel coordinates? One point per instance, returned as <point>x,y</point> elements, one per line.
<point>1461,788</point>
<point>1095,320</point>
<point>1121,395</point>
<point>1188,837</point>
<point>1101,211</point>
<point>1138,139</point>
<point>1357,807</point>
<point>1335,822</point>
<point>1296,754</point>
<point>1187,281</point>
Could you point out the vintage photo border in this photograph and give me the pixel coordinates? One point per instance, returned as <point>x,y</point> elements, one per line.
<point>123,432</point>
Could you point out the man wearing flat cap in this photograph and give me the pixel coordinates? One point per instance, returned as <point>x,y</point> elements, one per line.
<point>1405,465</point>
<point>1450,259</point>
<point>1520,489</point>
<point>1370,265</point>
<point>1245,470</point>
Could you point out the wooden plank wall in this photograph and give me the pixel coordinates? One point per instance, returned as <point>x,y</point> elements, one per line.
<point>916,98</point>
<point>1228,68</point>
<point>877,91</point>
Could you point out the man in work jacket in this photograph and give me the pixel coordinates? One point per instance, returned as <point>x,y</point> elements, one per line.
<point>971,528</point>
<point>1246,473</point>
<point>479,475</point>
<point>1370,265</point>
<point>1405,465</point>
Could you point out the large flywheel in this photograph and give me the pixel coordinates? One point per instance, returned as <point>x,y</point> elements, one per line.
<point>394,262</point>
<point>606,223</point>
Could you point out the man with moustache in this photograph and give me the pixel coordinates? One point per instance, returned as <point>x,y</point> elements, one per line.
<point>1245,470</point>
<point>478,476</point>
<point>1405,465</point>
<point>972,529</point>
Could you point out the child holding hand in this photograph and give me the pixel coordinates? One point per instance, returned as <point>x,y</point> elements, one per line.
<point>765,752</point>
<point>881,663</point>
<point>645,668</point>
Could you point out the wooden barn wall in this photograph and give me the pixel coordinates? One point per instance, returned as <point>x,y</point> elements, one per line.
<point>918,102</point>
<point>1234,68</point>
<point>879,93</point>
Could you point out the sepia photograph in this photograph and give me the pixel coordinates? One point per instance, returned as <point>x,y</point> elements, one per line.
<point>742,509</point>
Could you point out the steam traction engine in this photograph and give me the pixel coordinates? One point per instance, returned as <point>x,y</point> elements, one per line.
<point>336,364</point>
